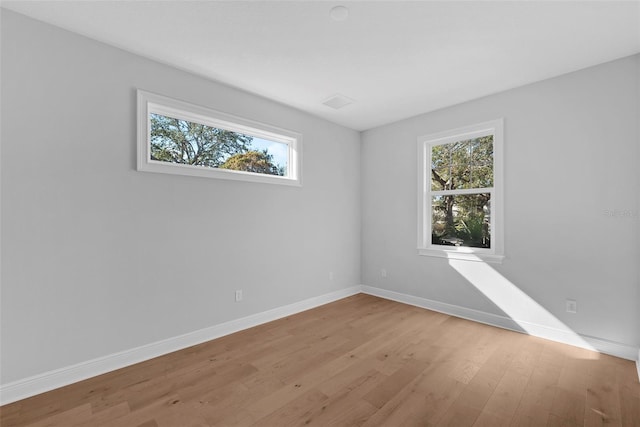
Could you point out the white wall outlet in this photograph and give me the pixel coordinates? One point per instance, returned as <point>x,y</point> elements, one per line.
<point>383,273</point>
<point>331,276</point>
<point>572,306</point>
<point>239,295</point>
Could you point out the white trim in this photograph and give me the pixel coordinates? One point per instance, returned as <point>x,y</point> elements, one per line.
<point>462,191</point>
<point>461,254</point>
<point>461,133</point>
<point>623,351</point>
<point>47,381</point>
<point>148,103</point>
<point>51,380</point>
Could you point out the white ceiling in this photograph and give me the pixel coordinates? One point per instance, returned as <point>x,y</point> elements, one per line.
<point>394,59</point>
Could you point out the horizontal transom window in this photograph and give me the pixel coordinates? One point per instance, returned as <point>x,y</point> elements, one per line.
<point>176,137</point>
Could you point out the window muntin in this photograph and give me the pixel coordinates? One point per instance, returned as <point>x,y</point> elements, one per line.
<point>460,193</point>
<point>181,138</point>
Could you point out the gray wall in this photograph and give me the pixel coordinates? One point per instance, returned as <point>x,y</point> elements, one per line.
<point>571,153</point>
<point>98,258</point>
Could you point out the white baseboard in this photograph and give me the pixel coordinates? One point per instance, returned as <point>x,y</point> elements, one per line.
<point>623,351</point>
<point>51,380</point>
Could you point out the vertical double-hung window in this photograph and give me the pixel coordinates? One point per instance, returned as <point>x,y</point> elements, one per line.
<point>460,193</point>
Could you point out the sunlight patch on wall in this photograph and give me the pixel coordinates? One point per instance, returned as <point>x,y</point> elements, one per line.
<point>520,307</point>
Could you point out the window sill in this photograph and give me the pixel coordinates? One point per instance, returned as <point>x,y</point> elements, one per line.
<point>462,255</point>
<point>205,172</point>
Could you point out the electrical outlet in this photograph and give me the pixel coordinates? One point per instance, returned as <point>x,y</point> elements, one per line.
<point>383,273</point>
<point>572,306</point>
<point>331,276</point>
<point>239,295</point>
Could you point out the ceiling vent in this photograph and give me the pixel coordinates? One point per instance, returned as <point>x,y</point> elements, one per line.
<point>338,101</point>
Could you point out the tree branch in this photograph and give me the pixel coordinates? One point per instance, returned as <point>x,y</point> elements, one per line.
<point>437,177</point>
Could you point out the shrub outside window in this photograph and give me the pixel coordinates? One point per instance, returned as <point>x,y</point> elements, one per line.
<point>460,193</point>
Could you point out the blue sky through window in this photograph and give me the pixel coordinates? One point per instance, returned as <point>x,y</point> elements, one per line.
<point>278,150</point>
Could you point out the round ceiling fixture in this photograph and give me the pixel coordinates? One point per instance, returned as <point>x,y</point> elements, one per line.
<point>339,13</point>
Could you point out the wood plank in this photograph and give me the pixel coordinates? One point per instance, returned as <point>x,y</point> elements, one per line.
<point>603,400</point>
<point>568,406</point>
<point>507,396</point>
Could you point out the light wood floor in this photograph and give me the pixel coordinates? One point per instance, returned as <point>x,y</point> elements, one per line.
<point>359,361</point>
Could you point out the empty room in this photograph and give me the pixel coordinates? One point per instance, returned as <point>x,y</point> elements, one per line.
<point>284,213</point>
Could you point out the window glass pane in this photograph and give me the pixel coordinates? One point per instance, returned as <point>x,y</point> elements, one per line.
<point>440,156</point>
<point>180,141</point>
<point>463,164</point>
<point>481,177</point>
<point>460,155</point>
<point>460,177</point>
<point>440,179</point>
<point>461,220</point>
<point>482,151</point>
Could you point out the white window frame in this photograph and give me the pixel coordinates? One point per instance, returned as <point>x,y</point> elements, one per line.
<point>425,246</point>
<point>151,103</point>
